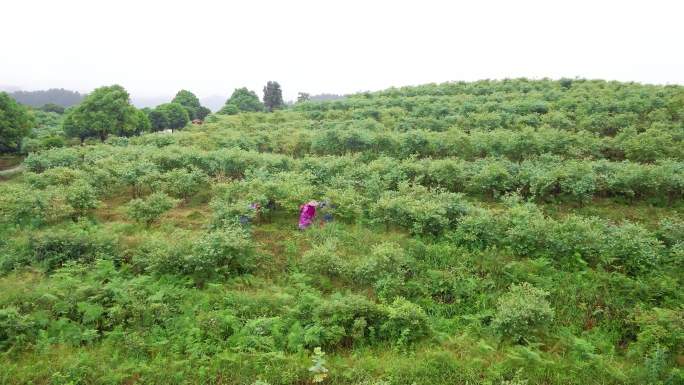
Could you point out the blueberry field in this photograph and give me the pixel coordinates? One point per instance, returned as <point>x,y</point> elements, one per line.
<point>492,232</point>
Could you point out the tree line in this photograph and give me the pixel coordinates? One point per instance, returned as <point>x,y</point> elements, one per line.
<point>55,96</point>
<point>108,111</point>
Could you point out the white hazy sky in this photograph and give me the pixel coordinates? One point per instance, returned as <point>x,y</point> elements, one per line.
<point>154,48</point>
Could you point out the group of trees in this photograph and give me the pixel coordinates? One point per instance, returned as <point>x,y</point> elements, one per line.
<point>167,116</point>
<point>244,100</point>
<point>191,105</point>
<point>105,111</point>
<point>108,111</point>
<point>15,123</point>
<point>183,108</point>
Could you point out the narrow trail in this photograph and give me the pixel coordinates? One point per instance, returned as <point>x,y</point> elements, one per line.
<point>11,171</point>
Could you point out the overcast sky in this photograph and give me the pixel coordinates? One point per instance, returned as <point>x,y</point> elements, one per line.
<point>154,48</point>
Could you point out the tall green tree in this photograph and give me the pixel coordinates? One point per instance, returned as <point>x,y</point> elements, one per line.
<point>142,122</point>
<point>175,116</point>
<point>189,102</point>
<point>15,123</point>
<point>242,99</point>
<point>73,130</point>
<point>105,111</point>
<point>157,119</point>
<point>273,96</point>
<point>303,97</point>
<point>202,112</point>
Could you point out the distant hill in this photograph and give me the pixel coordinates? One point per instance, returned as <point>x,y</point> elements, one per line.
<point>59,96</point>
<point>326,97</point>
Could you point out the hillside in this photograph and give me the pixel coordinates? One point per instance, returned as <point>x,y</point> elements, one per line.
<point>58,96</point>
<point>491,232</point>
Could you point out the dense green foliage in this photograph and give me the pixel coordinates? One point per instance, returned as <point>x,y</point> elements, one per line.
<point>105,111</point>
<point>191,104</point>
<point>156,118</point>
<point>496,232</point>
<point>15,123</point>
<point>273,96</point>
<point>173,116</point>
<point>52,107</point>
<point>242,100</point>
<point>151,208</point>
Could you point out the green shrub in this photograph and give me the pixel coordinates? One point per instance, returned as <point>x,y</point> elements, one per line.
<point>16,330</point>
<point>140,176</point>
<point>633,247</point>
<point>324,259</point>
<point>73,243</point>
<point>405,322</point>
<point>149,209</point>
<point>20,204</point>
<point>658,328</point>
<point>480,229</point>
<point>32,145</point>
<point>217,325</point>
<point>229,109</point>
<point>181,183</point>
<point>418,209</point>
<point>57,176</point>
<point>345,204</point>
<point>522,312</point>
<point>224,251</point>
<point>577,239</point>
<point>528,230</point>
<point>263,334</point>
<point>161,255</point>
<point>385,259</point>
<point>59,157</point>
<point>81,196</point>
<point>229,213</point>
<point>491,176</point>
<point>671,231</point>
<point>342,319</point>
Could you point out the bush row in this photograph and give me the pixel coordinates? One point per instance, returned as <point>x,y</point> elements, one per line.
<point>543,178</point>
<point>595,106</point>
<point>372,139</point>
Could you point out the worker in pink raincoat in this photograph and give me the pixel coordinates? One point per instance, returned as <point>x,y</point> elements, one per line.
<point>307,212</point>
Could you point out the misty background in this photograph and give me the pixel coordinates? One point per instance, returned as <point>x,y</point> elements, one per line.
<point>333,47</point>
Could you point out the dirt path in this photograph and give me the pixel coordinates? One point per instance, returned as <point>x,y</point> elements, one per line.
<point>11,171</point>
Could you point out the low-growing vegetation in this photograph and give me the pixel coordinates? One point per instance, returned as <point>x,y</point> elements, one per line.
<point>494,232</point>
